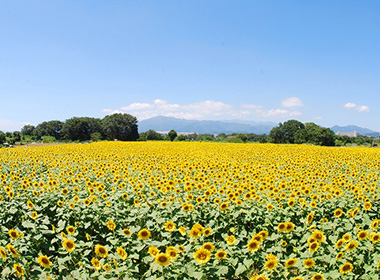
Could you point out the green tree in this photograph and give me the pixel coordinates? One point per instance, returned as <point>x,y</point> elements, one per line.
<point>16,136</point>
<point>242,137</point>
<point>28,130</point>
<point>150,135</point>
<point>3,139</point>
<point>81,128</point>
<point>286,132</point>
<point>181,137</point>
<point>50,128</point>
<point>172,135</point>
<point>120,126</point>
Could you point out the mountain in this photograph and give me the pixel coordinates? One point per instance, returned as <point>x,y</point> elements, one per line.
<point>161,123</point>
<point>352,128</point>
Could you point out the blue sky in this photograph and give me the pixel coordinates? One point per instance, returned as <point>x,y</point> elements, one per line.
<point>314,61</point>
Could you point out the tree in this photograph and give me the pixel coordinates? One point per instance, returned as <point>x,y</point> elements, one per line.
<point>16,136</point>
<point>50,128</point>
<point>28,130</point>
<point>81,128</point>
<point>3,139</point>
<point>150,135</point>
<point>286,132</point>
<point>120,126</point>
<point>172,134</point>
<point>242,137</point>
<point>181,137</point>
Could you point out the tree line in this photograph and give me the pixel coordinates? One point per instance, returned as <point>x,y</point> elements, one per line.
<point>117,126</point>
<point>124,127</point>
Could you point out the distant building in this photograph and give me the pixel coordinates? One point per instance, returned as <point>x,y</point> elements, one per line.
<point>349,134</point>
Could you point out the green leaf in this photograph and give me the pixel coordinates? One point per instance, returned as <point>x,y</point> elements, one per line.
<point>222,270</point>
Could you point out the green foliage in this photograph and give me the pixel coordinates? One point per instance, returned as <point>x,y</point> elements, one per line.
<point>293,131</point>
<point>81,128</point>
<point>121,127</point>
<point>50,128</point>
<point>181,137</point>
<point>172,135</point>
<point>2,137</point>
<point>28,130</point>
<point>150,135</point>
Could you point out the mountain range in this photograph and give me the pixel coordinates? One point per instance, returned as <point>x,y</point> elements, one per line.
<point>165,124</point>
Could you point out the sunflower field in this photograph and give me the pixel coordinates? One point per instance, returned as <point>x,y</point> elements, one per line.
<point>184,210</point>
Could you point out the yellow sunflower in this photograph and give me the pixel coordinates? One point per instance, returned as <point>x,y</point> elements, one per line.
<point>162,259</point>
<point>13,234</point>
<point>221,255</point>
<point>44,261</point>
<point>101,251</point>
<point>69,245</point>
<point>13,251</point>
<point>308,263</point>
<point>19,269</point>
<point>121,252</point>
<point>153,251</point>
<point>96,264</point>
<point>144,234</point>
<point>346,268</point>
<point>3,253</point>
<point>291,262</point>
<point>169,226</point>
<point>202,256</point>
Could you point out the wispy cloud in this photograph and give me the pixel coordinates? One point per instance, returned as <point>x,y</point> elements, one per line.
<point>8,125</point>
<point>292,102</point>
<point>359,108</point>
<point>207,109</point>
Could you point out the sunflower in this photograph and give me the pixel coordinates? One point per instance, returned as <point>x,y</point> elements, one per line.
<point>289,226</point>
<point>253,245</point>
<point>347,237</point>
<point>264,234</point>
<point>121,252</point>
<point>162,259</point>
<point>69,245</point>
<point>231,239</point>
<point>257,237</point>
<point>107,267</point>
<point>207,231</point>
<point>3,253</point>
<point>153,251</point>
<point>19,269</point>
<point>70,230</point>
<point>375,237</point>
<point>314,246</point>
<point>96,264</point>
<point>223,206</point>
<point>144,234</point>
<point>221,255</point>
<point>310,218</point>
<point>291,262</point>
<point>318,235</point>
<point>13,234</point>
<point>340,243</point>
<point>111,225</point>
<point>308,263</point>
<point>362,234</point>
<point>346,268</point>
<point>127,232</point>
<point>13,251</point>
<point>317,276</point>
<point>352,245</point>
<point>281,227</point>
<point>169,226</point>
<point>86,201</point>
<point>259,277</point>
<point>30,204</point>
<point>172,252</point>
<point>202,256</point>
<point>34,215</point>
<point>271,264</point>
<point>367,206</point>
<point>208,246</point>
<point>338,212</point>
<point>101,251</point>
<point>44,261</point>
<point>195,232</point>
<point>339,255</point>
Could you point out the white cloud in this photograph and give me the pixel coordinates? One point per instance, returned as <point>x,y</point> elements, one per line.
<point>292,102</point>
<point>8,125</point>
<point>208,109</point>
<point>359,108</point>
<point>362,109</point>
<point>318,118</point>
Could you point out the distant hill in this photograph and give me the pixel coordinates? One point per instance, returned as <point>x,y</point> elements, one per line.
<point>161,123</point>
<point>352,128</point>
